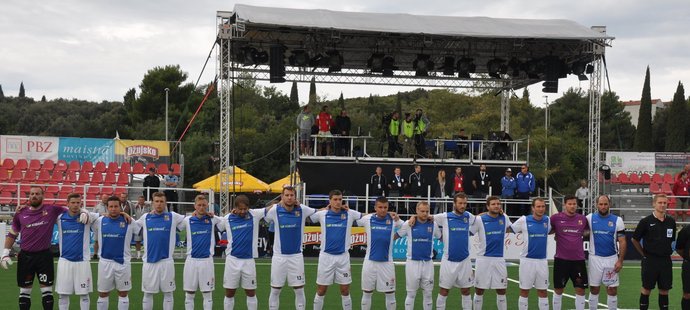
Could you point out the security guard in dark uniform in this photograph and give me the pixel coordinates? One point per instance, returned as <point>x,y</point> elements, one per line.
<point>378,183</point>
<point>683,249</point>
<point>653,239</point>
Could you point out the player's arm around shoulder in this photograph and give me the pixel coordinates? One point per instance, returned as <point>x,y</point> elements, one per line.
<point>516,227</point>
<point>362,221</point>
<point>403,231</point>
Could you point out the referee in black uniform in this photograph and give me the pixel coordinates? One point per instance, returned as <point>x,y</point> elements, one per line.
<point>683,249</point>
<point>652,239</point>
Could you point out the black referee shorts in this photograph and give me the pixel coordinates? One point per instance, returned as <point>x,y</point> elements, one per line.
<point>657,271</point>
<point>30,264</point>
<point>575,270</point>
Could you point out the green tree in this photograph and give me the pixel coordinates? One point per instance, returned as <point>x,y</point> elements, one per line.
<point>659,129</point>
<point>151,101</point>
<point>617,132</point>
<point>22,92</point>
<point>294,96</point>
<point>341,102</point>
<point>2,94</point>
<point>676,126</point>
<point>312,92</point>
<point>43,98</point>
<point>643,135</point>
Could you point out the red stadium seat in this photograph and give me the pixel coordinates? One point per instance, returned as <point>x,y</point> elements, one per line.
<point>149,166</point>
<point>84,178</point>
<point>126,168</point>
<point>93,189</point>
<point>614,178</point>
<point>656,178</point>
<point>71,177</point>
<point>57,176</point>
<point>138,168</point>
<point>119,190</point>
<point>634,178</point>
<point>30,176</point>
<point>99,167</point>
<point>623,178</point>
<point>163,169</point>
<point>11,188</point>
<point>107,190</point>
<point>74,166</point>
<point>668,178</point>
<point>97,178</point>
<point>645,178</point>
<point>6,199</point>
<point>62,197</point>
<point>4,175</point>
<point>112,167</point>
<point>21,165</point>
<point>110,179</point>
<point>122,179</point>
<point>53,189</point>
<point>49,198</point>
<point>43,176</point>
<point>35,164</point>
<point>48,165</point>
<point>176,169</point>
<point>8,163</point>
<point>79,189</point>
<point>87,167</point>
<point>666,189</point>
<point>654,188</point>
<point>91,200</point>
<point>16,176</point>
<point>61,166</point>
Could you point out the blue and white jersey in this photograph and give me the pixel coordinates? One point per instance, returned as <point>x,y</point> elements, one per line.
<point>491,232</point>
<point>379,236</point>
<point>289,228</point>
<point>455,229</point>
<point>201,235</point>
<point>420,239</point>
<point>535,234</point>
<point>159,235</point>
<point>243,233</point>
<point>336,229</point>
<point>603,239</point>
<point>74,237</point>
<point>114,237</point>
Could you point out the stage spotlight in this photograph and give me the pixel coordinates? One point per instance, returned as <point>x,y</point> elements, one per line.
<point>277,64</point>
<point>550,86</point>
<point>589,69</point>
<point>422,65</point>
<point>465,66</point>
<point>388,64</point>
<point>515,64</point>
<point>299,58</point>
<point>448,65</point>
<point>375,62</point>
<point>246,55</point>
<point>579,68</point>
<point>533,68</point>
<point>335,61</point>
<point>496,67</point>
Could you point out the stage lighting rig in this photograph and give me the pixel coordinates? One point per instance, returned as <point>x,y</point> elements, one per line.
<point>422,65</point>
<point>448,65</point>
<point>496,67</point>
<point>277,64</point>
<point>515,64</point>
<point>335,61</point>
<point>375,62</point>
<point>299,58</point>
<point>388,65</point>
<point>465,66</point>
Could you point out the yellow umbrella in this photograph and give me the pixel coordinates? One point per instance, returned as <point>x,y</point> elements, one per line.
<point>277,186</point>
<point>243,182</point>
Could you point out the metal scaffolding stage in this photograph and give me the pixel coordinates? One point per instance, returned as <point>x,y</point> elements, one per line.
<point>478,53</point>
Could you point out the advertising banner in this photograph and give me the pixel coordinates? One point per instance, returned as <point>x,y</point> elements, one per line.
<point>86,149</point>
<point>29,147</point>
<point>671,162</point>
<point>143,151</point>
<point>631,162</point>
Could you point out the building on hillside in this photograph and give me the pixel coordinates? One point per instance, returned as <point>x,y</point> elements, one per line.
<point>633,107</point>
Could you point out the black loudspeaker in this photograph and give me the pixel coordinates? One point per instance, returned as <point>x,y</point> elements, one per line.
<point>606,170</point>
<point>277,64</point>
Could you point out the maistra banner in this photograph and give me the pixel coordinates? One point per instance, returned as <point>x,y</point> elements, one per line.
<point>86,149</point>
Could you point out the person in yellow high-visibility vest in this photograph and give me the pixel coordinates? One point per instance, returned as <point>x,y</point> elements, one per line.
<point>408,136</point>
<point>393,133</point>
<point>421,126</point>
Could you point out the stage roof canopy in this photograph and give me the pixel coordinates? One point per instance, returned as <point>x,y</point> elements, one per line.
<point>405,49</point>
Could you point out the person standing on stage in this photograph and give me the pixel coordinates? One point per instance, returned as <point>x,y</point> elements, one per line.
<point>491,228</point>
<point>653,239</point>
<point>569,261</point>
<point>377,183</point>
<point>378,271</point>
<point>534,268</point>
<point>607,247</point>
<point>287,263</point>
<point>456,266</point>
<point>334,258</point>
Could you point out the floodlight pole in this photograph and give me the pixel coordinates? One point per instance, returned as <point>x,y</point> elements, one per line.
<point>167,90</point>
<point>546,145</point>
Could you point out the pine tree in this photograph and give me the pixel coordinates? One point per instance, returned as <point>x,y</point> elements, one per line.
<point>525,94</point>
<point>341,102</point>
<point>2,94</point>
<point>643,135</point>
<point>294,97</point>
<point>676,126</point>
<point>312,91</point>
<point>43,99</point>
<point>22,93</point>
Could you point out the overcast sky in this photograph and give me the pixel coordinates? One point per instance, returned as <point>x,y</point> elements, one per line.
<point>96,50</point>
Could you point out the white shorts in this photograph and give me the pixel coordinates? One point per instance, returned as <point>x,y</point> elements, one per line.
<point>158,277</point>
<point>112,275</point>
<point>419,274</point>
<point>73,277</point>
<point>456,274</point>
<point>491,273</point>
<point>198,274</point>
<point>534,273</point>
<point>334,269</point>
<point>596,272</point>
<point>138,237</point>
<point>379,276</point>
<point>288,268</point>
<point>239,270</point>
